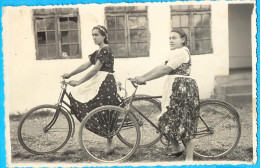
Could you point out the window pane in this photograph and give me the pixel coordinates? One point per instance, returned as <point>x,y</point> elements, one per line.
<point>111,36</point>
<point>197,20</point>
<point>176,21</point>
<point>136,8</point>
<point>132,21</point>
<point>198,47</point>
<point>142,22</point>
<point>64,37</point>
<point>74,49</point>
<point>134,37</point>
<point>205,20</point>
<point>187,31</point>
<point>51,51</point>
<point>206,46</point>
<point>133,49</point>
<point>113,47</point>
<point>198,33</point>
<point>142,49</point>
<point>120,36</point>
<point>73,23</point>
<point>184,21</point>
<point>65,49</point>
<point>142,36</point>
<point>206,33</point>
<point>40,24</point>
<point>42,52</point>
<point>120,22</point>
<point>50,23</point>
<point>111,22</point>
<point>121,50</point>
<point>74,36</point>
<point>51,37</point>
<point>41,37</point>
<point>64,23</point>
<point>188,45</point>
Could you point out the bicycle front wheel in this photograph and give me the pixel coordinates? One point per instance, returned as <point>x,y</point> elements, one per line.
<point>103,124</point>
<point>219,129</point>
<point>37,137</point>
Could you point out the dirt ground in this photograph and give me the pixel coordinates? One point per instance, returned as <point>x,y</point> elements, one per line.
<point>72,153</point>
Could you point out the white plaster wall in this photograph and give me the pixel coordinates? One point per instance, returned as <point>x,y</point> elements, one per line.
<point>29,82</point>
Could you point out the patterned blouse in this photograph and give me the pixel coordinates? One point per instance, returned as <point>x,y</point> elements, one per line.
<point>105,56</point>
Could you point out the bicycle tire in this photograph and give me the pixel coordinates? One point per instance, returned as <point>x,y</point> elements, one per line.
<point>149,135</point>
<point>103,123</point>
<point>224,136</point>
<point>38,142</point>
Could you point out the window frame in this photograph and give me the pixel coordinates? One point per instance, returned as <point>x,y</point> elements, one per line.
<point>58,44</point>
<point>126,13</point>
<point>191,12</point>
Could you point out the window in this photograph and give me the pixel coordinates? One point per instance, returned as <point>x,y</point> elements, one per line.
<point>128,33</point>
<point>195,20</point>
<point>56,33</point>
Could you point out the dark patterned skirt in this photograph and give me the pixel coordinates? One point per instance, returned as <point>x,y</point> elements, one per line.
<point>107,95</point>
<point>180,121</point>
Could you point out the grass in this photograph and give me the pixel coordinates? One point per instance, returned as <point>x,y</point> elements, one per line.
<point>72,153</point>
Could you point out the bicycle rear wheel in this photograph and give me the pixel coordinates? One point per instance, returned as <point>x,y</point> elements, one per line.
<point>104,123</point>
<point>219,129</point>
<point>151,108</point>
<point>32,133</point>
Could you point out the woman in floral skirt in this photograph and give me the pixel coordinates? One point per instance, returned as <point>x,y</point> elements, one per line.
<point>180,102</point>
<point>98,86</point>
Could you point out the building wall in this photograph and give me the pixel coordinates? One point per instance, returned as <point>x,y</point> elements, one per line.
<point>29,82</point>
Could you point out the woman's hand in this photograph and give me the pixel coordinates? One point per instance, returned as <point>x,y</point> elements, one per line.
<point>66,76</point>
<point>74,83</point>
<point>139,80</point>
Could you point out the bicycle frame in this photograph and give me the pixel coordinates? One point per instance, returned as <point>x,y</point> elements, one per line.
<point>201,133</point>
<point>60,103</point>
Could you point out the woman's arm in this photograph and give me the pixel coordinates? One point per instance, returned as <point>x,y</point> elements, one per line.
<point>155,73</point>
<point>89,75</point>
<point>81,68</point>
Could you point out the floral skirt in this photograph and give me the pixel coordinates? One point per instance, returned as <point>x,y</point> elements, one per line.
<point>107,95</point>
<point>180,120</point>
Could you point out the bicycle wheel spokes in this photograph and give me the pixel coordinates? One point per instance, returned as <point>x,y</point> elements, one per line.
<point>151,109</point>
<point>223,132</point>
<point>102,125</point>
<point>33,135</point>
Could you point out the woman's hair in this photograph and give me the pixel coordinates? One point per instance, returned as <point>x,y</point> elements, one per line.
<point>182,34</point>
<point>103,31</point>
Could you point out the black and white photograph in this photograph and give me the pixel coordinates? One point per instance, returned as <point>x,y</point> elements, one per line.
<point>130,84</point>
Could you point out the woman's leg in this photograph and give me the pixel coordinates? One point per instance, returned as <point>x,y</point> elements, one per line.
<point>109,146</point>
<point>190,145</point>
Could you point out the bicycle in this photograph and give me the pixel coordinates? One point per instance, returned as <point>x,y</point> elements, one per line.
<point>47,128</point>
<point>216,137</point>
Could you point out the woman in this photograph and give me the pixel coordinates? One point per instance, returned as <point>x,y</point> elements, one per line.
<point>180,104</point>
<point>98,86</point>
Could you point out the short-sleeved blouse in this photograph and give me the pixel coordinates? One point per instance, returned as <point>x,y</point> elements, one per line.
<point>105,56</point>
<point>179,61</point>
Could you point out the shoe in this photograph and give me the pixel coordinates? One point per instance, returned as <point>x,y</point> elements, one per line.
<point>176,154</point>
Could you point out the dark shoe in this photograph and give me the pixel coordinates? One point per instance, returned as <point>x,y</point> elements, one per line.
<point>177,154</point>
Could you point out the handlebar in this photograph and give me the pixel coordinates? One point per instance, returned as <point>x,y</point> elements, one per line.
<point>133,82</point>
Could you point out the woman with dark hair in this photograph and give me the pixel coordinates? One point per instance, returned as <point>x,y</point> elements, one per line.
<point>180,102</point>
<point>98,86</point>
